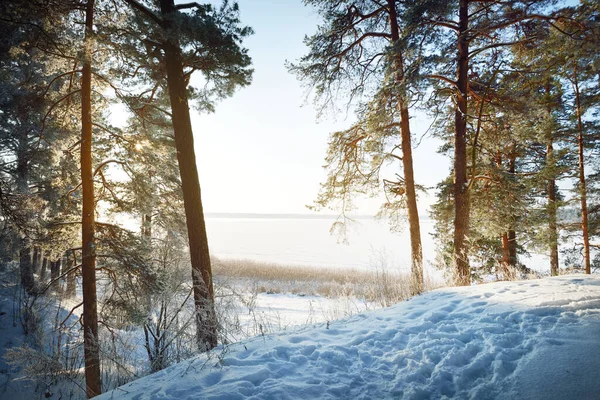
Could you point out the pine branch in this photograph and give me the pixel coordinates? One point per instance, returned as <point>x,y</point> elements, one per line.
<point>58,77</point>
<point>56,103</point>
<point>104,163</point>
<point>359,41</point>
<point>112,133</point>
<point>145,10</point>
<point>62,324</point>
<point>443,78</point>
<point>445,24</point>
<point>53,281</point>
<point>184,6</point>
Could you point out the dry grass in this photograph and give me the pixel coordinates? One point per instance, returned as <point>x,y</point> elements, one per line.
<point>379,285</point>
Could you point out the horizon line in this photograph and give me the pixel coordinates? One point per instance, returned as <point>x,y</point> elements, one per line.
<point>286,215</point>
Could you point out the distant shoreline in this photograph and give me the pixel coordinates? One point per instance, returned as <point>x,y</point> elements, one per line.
<point>278,216</point>
<point>284,216</point>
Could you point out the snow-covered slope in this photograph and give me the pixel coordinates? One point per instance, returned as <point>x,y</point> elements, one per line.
<point>515,340</point>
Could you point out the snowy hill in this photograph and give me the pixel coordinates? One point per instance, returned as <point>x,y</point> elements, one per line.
<point>515,340</point>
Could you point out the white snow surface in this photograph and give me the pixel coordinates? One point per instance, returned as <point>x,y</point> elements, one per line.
<point>535,339</point>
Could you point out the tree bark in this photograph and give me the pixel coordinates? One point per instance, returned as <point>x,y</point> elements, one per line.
<point>22,183</point>
<point>55,273</point>
<point>551,189</point>
<point>71,285</point>
<point>43,272</point>
<point>582,183</point>
<point>552,226</point>
<point>512,235</point>
<point>206,323</point>
<point>88,258</point>
<point>147,226</point>
<point>407,161</point>
<point>462,270</point>
<point>505,263</point>
<point>25,267</point>
<point>505,256</point>
<point>512,249</point>
<point>37,259</point>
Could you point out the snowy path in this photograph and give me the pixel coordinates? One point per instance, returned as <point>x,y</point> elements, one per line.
<point>514,340</point>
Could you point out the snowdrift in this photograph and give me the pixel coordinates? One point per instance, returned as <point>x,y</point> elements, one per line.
<point>516,340</point>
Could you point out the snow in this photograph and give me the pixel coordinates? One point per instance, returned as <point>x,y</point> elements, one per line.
<point>282,311</point>
<point>10,333</point>
<point>12,384</point>
<point>529,339</point>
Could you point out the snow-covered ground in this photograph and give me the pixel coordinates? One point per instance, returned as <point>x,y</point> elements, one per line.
<point>284,311</point>
<point>515,340</point>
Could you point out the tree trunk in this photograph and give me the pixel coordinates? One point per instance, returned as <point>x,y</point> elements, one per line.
<point>22,182</point>
<point>43,272</point>
<point>147,226</point>
<point>505,263</point>
<point>506,257</point>
<point>55,273</point>
<point>25,267</point>
<point>407,161</point>
<point>512,250</point>
<point>206,323</point>
<point>147,235</point>
<point>88,258</point>
<point>552,223</point>
<point>461,194</point>
<point>71,278</point>
<point>512,235</point>
<point>37,259</point>
<point>551,188</point>
<point>582,183</point>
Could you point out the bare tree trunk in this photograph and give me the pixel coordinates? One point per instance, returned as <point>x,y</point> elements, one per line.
<point>461,194</point>
<point>512,235</point>
<point>37,259</point>
<point>505,263</point>
<point>552,226</point>
<point>71,286</point>
<point>206,322</point>
<point>22,182</point>
<point>55,273</point>
<point>147,226</point>
<point>506,257</point>
<point>407,161</point>
<point>147,292</point>
<point>582,183</point>
<point>512,249</point>
<point>25,267</point>
<point>551,189</point>
<point>88,258</point>
<point>43,272</point>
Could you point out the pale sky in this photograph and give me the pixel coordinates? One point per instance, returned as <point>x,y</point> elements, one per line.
<point>262,151</point>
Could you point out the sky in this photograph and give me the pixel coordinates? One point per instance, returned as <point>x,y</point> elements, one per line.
<point>263,149</point>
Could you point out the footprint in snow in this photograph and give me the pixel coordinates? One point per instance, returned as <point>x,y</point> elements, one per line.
<point>449,308</point>
<point>416,314</point>
<point>297,339</point>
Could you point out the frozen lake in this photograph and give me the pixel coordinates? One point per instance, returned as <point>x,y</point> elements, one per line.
<point>298,240</point>
<point>307,241</point>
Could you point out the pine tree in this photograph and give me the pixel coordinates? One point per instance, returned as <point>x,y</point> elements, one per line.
<point>362,48</point>
<point>207,40</point>
<point>481,28</point>
<point>577,45</point>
